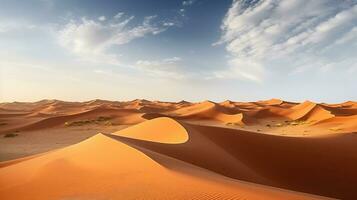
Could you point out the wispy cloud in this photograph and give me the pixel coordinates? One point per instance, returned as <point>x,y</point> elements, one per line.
<point>185,5</point>
<point>91,39</point>
<point>273,33</point>
<point>102,18</point>
<point>168,67</point>
<point>188,2</point>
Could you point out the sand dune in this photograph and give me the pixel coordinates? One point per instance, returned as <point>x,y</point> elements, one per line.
<point>271,102</point>
<point>269,160</point>
<point>48,121</point>
<point>179,150</point>
<point>346,123</point>
<point>101,167</point>
<point>162,130</point>
<point>209,110</point>
<point>307,111</point>
<point>54,113</point>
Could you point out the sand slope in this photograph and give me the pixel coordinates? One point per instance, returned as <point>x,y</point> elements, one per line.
<point>209,110</point>
<point>267,159</point>
<point>306,111</point>
<point>102,168</point>
<point>19,116</point>
<point>178,150</point>
<point>163,130</point>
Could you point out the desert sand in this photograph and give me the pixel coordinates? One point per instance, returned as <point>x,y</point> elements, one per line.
<point>142,149</point>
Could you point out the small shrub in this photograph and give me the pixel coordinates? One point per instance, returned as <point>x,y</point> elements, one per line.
<point>101,118</point>
<point>85,122</point>
<point>235,124</point>
<point>9,135</point>
<point>77,123</point>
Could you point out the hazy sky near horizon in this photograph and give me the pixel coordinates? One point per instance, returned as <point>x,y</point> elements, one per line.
<point>242,50</point>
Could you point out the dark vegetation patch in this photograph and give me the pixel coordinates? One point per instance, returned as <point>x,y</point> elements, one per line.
<point>98,120</point>
<point>10,135</point>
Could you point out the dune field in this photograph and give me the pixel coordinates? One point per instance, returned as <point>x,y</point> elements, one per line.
<point>142,149</point>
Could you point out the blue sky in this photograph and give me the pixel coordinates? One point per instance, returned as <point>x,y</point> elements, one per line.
<point>242,50</point>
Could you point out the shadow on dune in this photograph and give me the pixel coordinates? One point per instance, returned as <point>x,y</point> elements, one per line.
<point>312,165</point>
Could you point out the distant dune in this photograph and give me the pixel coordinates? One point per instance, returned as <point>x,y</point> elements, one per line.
<point>271,149</point>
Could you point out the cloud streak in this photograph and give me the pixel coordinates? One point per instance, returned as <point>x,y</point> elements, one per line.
<point>263,35</point>
<point>168,68</point>
<point>92,39</point>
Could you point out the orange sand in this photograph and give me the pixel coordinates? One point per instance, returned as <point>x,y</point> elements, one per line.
<point>183,150</point>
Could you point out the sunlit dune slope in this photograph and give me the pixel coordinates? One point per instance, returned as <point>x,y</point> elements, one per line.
<point>120,116</point>
<point>179,150</point>
<point>346,123</point>
<point>103,168</point>
<point>209,110</point>
<point>271,102</point>
<point>163,130</point>
<point>300,164</point>
<point>307,111</point>
<point>18,116</point>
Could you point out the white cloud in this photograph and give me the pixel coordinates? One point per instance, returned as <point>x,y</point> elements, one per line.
<point>188,2</point>
<point>119,15</point>
<point>102,18</point>
<point>168,67</point>
<point>242,69</point>
<point>90,39</point>
<point>272,33</point>
<point>182,12</point>
<point>169,24</point>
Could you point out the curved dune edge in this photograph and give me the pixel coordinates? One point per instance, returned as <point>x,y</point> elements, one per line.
<point>345,123</point>
<point>267,159</point>
<point>101,168</point>
<point>210,111</point>
<point>54,114</point>
<point>204,109</point>
<point>162,130</point>
<point>306,111</point>
<point>236,118</point>
<point>300,164</point>
<point>309,111</point>
<point>122,116</point>
<point>272,102</point>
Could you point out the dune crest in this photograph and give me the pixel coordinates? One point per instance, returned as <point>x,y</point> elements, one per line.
<point>306,111</point>
<point>177,150</point>
<point>163,130</point>
<point>210,110</point>
<point>102,168</point>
